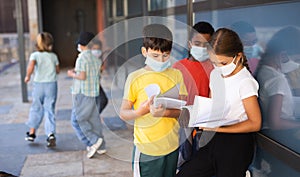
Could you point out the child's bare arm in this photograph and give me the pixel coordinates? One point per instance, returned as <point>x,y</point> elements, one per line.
<point>57,69</point>
<point>80,76</point>
<point>160,111</point>
<point>30,69</point>
<point>127,113</point>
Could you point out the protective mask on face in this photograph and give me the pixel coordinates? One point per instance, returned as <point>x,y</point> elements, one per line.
<point>78,48</point>
<point>227,69</point>
<point>96,53</point>
<point>157,65</point>
<point>289,66</point>
<point>248,51</point>
<point>199,53</point>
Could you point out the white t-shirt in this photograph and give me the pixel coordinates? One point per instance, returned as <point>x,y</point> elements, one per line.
<point>231,91</point>
<point>273,82</point>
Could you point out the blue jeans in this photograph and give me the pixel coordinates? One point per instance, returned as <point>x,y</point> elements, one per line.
<point>86,120</point>
<point>43,104</point>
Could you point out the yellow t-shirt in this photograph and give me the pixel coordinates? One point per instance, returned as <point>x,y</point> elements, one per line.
<point>152,135</point>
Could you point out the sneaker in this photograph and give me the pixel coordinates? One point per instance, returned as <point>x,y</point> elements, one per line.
<point>93,149</point>
<point>99,151</point>
<point>30,137</point>
<point>51,141</point>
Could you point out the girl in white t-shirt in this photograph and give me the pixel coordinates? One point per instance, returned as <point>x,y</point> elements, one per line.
<point>228,150</point>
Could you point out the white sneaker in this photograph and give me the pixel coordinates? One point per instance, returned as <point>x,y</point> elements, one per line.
<point>93,149</point>
<point>99,151</point>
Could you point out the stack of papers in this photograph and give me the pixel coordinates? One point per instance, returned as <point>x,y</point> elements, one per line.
<point>204,113</point>
<point>170,103</point>
<point>169,99</point>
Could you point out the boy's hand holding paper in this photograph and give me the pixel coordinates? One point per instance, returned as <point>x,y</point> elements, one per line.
<point>169,99</point>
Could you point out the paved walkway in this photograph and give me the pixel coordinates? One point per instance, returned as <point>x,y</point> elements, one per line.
<point>68,158</point>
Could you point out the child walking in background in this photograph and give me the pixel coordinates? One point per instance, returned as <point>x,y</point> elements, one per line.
<point>96,49</point>
<point>45,65</point>
<point>85,112</point>
<point>156,138</point>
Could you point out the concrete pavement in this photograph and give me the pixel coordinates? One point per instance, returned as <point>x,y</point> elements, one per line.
<point>21,158</point>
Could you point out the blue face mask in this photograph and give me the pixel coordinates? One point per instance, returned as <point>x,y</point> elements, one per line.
<point>96,53</point>
<point>157,65</point>
<point>248,51</point>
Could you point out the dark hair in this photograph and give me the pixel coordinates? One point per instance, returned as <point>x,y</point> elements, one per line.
<point>226,42</point>
<point>157,37</point>
<point>85,37</point>
<point>242,28</point>
<point>44,42</point>
<point>286,39</point>
<point>203,28</point>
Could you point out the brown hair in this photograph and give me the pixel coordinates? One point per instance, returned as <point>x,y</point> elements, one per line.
<point>157,37</point>
<point>44,42</point>
<point>226,42</point>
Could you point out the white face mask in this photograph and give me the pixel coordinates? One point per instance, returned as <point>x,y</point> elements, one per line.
<point>199,53</point>
<point>78,48</point>
<point>97,53</point>
<point>227,69</point>
<point>289,66</point>
<point>157,65</point>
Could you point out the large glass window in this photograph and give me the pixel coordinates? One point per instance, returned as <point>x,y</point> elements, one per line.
<point>163,4</point>
<point>135,9</point>
<point>180,35</point>
<point>271,37</point>
<point>285,128</point>
<point>119,8</point>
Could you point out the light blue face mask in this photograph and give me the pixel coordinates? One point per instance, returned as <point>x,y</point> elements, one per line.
<point>97,53</point>
<point>248,51</point>
<point>157,65</point>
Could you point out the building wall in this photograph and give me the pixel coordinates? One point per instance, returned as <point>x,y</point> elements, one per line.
<point>8,29</point>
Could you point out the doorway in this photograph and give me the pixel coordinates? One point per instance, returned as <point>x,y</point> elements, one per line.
<point>65,20</point>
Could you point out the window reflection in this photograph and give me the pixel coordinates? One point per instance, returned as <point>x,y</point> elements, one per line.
<point>281,123</point>
<point>278,76</point>
<point>252,50</point>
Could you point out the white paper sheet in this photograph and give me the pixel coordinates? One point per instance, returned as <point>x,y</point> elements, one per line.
<point>169,102</point>
<point>152,89</point>
<point>169,99</point>
<point>204,113</point>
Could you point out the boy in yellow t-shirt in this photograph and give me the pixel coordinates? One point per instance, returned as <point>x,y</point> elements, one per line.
<point>155,128</point>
